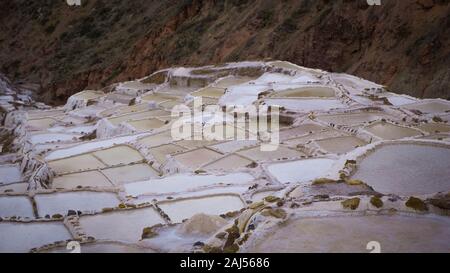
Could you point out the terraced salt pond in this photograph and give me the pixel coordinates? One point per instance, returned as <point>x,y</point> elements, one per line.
<point>212,205</point>
<point>306,105</point>
<point>130,173</point>
<point>435,127</point>
<point>147,124</point>
<point>281,153</point>
<point>228,163</point>
<point>406,169</point>
<point>20,237</point>
<point>122,226</point>
<point>16,206</point>
<point>61,203</point>
<point>304,92</point>
<point>195,159</point>
<point>431,107</point>
<point>340,145</point>
<point>353,118</point>
<point>300,171</point>
<point>53,137</point>
<point>83,179</point>
<point>352,234</point>
<point>390,131</point>
<point>9,174</point>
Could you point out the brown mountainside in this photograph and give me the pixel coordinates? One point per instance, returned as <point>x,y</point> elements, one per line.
<point>402,44</point>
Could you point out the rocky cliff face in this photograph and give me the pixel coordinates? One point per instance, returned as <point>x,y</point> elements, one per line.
<point>402,44</point>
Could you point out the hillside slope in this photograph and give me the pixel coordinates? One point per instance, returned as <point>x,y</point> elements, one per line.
<point>402,44</point>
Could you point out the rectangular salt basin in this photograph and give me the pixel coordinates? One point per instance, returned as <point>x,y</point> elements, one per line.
<point>340,145</point>
<point>43,114</point>
<point>233,146</point>
<point>314,136</point>
<point>301,171</point>
<point>119,155</point>
<point>228,163</point>
<point>160,153</point>
<point>213,92</point>
<point>213,205</point>
<point>17,187</point>
<point>300,130</point>
<point>147,124</point>
<point>390,131</point>
<point>52,137</point>
<point>156,139</point>
<point>91,146</point>
<point>431,107</point>
<point>197,158</point>
<point>83,179</point>
<point>40,124</point>
<point>16,206</point>
<point>435,127</point>
<point>280,153</point>
<point>352,118</point>
<point>141,115</point>
<point>309,91</point>
<point>61,203</point>
<point>194,144</point>
<point>185,182</point>
<point>306,104</point>
<point>9,174</point>
<point>75,164</point>
<point>130,173</point>
<point>123,226</point>
<point>21,237</point>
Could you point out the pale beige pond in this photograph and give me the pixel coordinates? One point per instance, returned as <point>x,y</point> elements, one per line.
<point>435,128</point>
<point>168,105</point>
<point>83,179</point>
<point>340,145</point>
<point>16,206</point>
<point>158,97</point>
<point>228,163</point>
<point>119,155</point>
<point>230,81</point>
<point>352,234</point>
<point>281,153</point>
<point>89,95</point>
<point>10,173</point>
<point>75,164</point>
<point>43,114</point>
<point>131,173</point>
<point>300,130</point>
<point>147,124</point>
<point>123,226</point>
<point>431,107</point>
<point>40,124</point>
<point>197,158</point>
<point>315,91</point>
<point>85,201</point>
<point>214,205</point>
<point>390,131</point>
<point>140,115</point>
<point>214,92</point>
<point>156,139</point>
<point>17,187</point>
<point>353,118</point>
<point>314,136</point>
<point>160,153</point>
<point>193,144</point>
<point>18,237</point>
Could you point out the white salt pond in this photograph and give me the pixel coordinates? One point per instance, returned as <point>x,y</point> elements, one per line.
<point>390,131</point>
<point>130,173</point>
<point>406,169</point>
<point>10,173</point>
<point>340,145</point>
<point>61,203</point>
<point>352,234</point>
<point>16,206</point>
<point>280,153</point>
<point>430,107</point>
<point>306,104</point>
<point>352,118</point>
<point>18,237</point>
<point>123,226</point>
<point>52,137</point>
<point>300,171</point>
<point>184,182</point>
<point>16,187</point>
<point>212,205</point>
<point>83,179</point>
<point>118,155</point>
